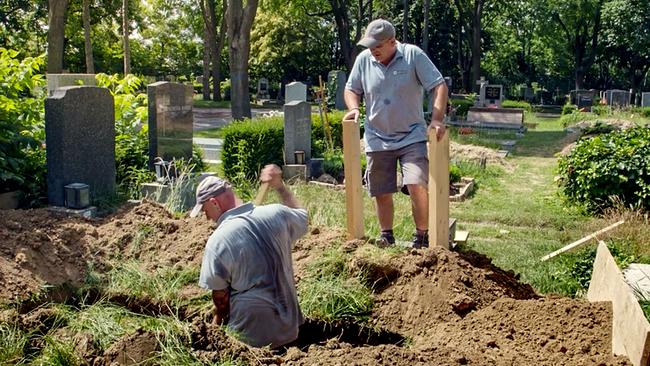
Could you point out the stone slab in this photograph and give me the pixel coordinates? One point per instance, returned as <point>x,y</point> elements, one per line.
<point>88,212</point>
<point>294,171</point>
<point>630,328</point>
<point>512,116</point>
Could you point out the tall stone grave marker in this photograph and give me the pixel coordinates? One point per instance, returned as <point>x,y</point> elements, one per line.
<point>263,89</point>
<point>80,140</point>
<point>297,131</point>
<point>55,81</point>
<point>295,91</point>
<point>341,79</point>
<point>170,121</point>
<point>645,99</point>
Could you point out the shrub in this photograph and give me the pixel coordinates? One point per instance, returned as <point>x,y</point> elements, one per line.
<point>569,109</point>
<point>600,110</point>
<point>576,117</point>
<point>454,173</point>
<point>461,105</point>
<point>248,145</point>
<point>607,166</point>
<point>517,104</point>
<point>22,127</point>
<point>643,111</point>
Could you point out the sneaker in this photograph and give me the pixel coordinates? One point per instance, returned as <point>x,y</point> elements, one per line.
<point>385,240</point>
<point>420,241</point>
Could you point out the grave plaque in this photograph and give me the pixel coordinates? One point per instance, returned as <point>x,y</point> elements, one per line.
<point>295,91</point>
<point>645,99</point>
<point>341,79</point>
<point>263,89</point>
<point>170,121</point>
<point>80,139</point>
<point>297,131</point>
<point>55,81</point>
<point>492,95</point>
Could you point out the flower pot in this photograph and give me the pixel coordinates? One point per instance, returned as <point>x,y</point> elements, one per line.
<point>9,200</point>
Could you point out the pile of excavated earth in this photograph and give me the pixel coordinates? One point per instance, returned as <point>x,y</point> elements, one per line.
<point>431,307</point>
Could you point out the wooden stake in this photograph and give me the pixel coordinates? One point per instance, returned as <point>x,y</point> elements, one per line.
<point>352,170</point>
<point>577,243</point>
<point>439,190</point>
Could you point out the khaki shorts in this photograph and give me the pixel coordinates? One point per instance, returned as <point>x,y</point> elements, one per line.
<point>381,168</point>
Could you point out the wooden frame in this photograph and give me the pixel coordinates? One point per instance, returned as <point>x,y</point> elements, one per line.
<point>439,190</point>
<point>352,170</point>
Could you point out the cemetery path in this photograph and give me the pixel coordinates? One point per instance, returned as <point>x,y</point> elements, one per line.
<point>430,306</point>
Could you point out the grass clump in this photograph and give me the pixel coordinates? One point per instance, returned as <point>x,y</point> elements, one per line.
<point>57,353</point>
<point>12,343</point>
<point>105,322</point>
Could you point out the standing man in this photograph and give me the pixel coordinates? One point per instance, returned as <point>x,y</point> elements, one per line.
<point>392,78</point>
<point>247,260</point>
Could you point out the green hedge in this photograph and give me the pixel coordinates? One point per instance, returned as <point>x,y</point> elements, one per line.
<point>607,166</point>
<point>461,105</point>
<point>249,145</point>
<point>643,111</point>
<point>517,104</point>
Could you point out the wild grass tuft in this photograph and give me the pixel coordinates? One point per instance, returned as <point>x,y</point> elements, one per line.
<point>105,322</point>
<point>162,285</point>
<point>331,298</point>
<point>56,353</point>
<point>12,343</point>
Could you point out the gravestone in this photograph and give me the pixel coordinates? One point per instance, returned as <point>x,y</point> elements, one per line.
<point>170,121</point>
<point>619,98</point>
<point>491,95</point>
<point>297,131</point>
<point>341,79</point>
<point>645,99</point>
<point>80,140</point>
<point>295,91</point>
<point>55,81</point>
<point>263,89</point>
<point>480,101</point>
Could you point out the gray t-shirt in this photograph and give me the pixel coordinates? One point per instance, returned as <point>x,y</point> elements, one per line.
<point>394,96</point>
<point>250,253</point>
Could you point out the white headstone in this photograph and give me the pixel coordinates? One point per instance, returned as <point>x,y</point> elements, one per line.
<point>295,91</point>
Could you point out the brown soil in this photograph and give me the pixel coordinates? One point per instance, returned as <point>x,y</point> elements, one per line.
<point>432,306</point>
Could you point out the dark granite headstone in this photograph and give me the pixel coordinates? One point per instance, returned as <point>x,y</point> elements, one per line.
<point>619,98</point>
<point>339,101</point>
<point>645,99</point>
<point>80,140</point>
<point>170,121</point>
<point>297,131</point>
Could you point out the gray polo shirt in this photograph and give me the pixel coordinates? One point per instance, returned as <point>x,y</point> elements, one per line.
<point>250,253</point>
<point>394,96</point>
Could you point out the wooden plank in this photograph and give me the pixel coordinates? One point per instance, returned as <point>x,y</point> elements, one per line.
<point>630,328</point>
<point>439,190</point>
<point>352,170</point>
<point>577,243</point>
<point>261,194</point>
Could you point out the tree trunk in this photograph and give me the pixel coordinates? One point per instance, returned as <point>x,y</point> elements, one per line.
<point>88,46</point>
<point>240,21</point>
<point>125,37</point>
<point>56,35</point>
<point>216,65</point>
<point>405,24</point>
<point>348,49</point>
<point>209,39</point>
<point>425,26</point>
<point>206,60</point>
<point>476,42</point>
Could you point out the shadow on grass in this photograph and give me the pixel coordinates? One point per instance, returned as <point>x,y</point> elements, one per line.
<point>543,144</point>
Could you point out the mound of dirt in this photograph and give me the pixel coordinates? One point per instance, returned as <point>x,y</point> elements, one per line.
<point>476,153</point>
<point>431,306</point>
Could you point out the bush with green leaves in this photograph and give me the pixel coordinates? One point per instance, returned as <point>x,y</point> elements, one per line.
<point>22,126</point>
<point>607,167</point>
<point>569,109</point>
<point>517,104</point>
<point>462,105</point>
<point>643,111</point>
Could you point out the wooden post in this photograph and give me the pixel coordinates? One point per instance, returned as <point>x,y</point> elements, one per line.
<point>352,170</point>
<point>439,190</point>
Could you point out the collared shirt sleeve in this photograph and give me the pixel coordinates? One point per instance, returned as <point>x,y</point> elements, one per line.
<point>298,222</point>
<point>354,80</point>
<point>214,273</point>
<point>426,71</point>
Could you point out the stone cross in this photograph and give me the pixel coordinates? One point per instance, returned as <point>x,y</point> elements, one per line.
<point>170,121</point>
<point>80,140</point>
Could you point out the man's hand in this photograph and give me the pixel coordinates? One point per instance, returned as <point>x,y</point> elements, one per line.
<point>352,115</point>
<point>221,300</point>
<point>439,127</point>
<point>272,174</point>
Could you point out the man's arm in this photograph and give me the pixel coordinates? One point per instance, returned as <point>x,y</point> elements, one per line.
<point>221,300</point>
<point>352,101</point>
<point>439,108</point>
<point>272,174</point>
